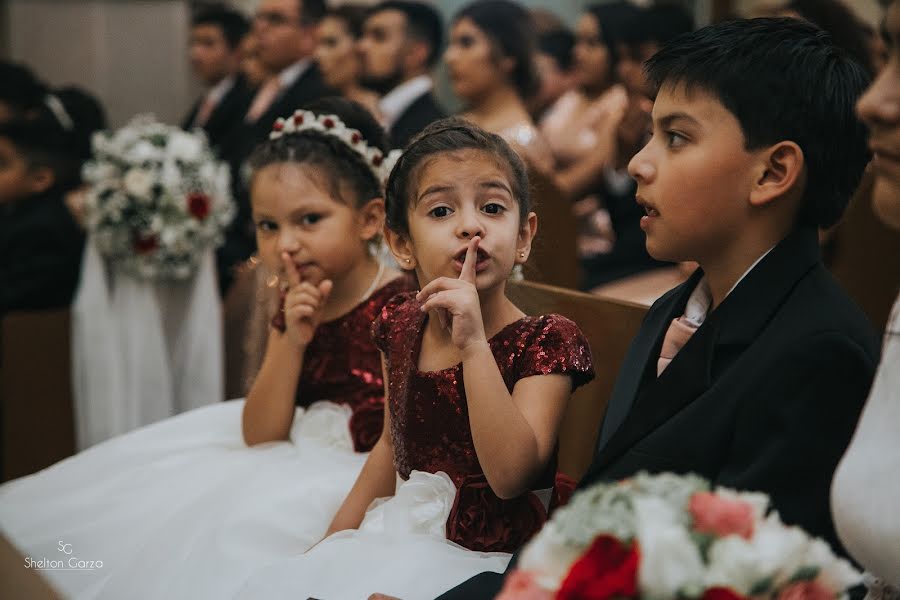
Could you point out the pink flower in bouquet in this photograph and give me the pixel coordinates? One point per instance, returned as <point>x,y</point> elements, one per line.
<point>609,569</point>
<point>721,516</point>
<point>806,590</point>
<point>521,585</point>
<point>198,205</point>
<point>721,593</point>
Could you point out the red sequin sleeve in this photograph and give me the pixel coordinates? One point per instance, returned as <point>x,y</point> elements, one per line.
<point>557,347</point>
<point>383,325</point>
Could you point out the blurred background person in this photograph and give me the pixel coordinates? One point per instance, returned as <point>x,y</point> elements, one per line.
<point>491,63</point>
<point>554,66</point>
<point>400,45</point>
<point>338,56</point>
<point>215,54</point>
<point>252,69</point>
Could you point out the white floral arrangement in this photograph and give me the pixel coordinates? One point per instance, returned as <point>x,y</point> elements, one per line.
<point>157,199</point>
<point>662,537</point>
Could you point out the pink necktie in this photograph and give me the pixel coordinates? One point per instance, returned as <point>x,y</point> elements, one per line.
<point>263,100</point>
<point>679,332</point>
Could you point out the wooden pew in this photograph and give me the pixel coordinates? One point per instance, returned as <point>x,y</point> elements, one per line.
<point>609,325</point>
<point>554,252</point>
<point>38,423</point>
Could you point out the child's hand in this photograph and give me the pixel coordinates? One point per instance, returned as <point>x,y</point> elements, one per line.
<point>303,304</point>
<point>456,302</point>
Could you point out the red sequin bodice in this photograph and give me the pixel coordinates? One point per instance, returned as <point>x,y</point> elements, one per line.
<point>343,365</point>
<point>430,421</point>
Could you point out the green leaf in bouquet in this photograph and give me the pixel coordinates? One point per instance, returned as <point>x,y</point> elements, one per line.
<point>704,542</point>
<point>763,586</point>
<point>158,139</point>
<point>805,574</point>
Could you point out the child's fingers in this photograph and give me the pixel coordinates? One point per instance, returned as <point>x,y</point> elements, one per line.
<point>290,269</point>
<point>445,300</point>
<point>438,285</point>
<point>468,268</point>
<point>297,297</point>
<point>300,311</point>
<point>324,289</point>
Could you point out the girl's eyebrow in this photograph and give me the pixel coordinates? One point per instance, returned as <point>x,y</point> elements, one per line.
<point>434,189</point>
<point>495,184</point>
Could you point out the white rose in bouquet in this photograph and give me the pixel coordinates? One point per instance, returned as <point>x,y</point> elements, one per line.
<point>138,183</point>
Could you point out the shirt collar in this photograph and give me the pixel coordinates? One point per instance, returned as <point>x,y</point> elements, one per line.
<point>701,298</point>
<point>401,97</point>
<point>218,91</point>
<point>291,74</point>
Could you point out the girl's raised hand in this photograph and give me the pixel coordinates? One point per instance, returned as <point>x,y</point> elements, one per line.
<point>304,304</point>
<point>456,302</point>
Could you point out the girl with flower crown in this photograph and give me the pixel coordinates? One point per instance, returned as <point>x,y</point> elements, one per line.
<point>476,390</point>
<point>187,507</point>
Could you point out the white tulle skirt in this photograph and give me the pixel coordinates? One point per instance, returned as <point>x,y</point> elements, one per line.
<point>184,509</point>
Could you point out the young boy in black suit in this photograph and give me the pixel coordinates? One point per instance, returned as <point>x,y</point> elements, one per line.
<point>753,372</point>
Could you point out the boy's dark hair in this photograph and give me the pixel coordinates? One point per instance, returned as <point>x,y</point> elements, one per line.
<point>782,79</point>
<point>233,24</point>
<point>845,28</point>
<point>449,135</point>
<point>20,90</point>
<point>423,23</point>
<point>342,169</point>
<point>558,44</point>
<point>352,15</point>
<point>510,28</point>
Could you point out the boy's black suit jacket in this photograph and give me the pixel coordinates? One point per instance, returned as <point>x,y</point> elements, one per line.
<point>764,396</point>
<point>417,116</point>
<point>227,114</point>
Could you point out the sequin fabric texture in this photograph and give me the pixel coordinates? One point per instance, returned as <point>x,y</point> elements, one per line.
<point>430,421</point>
<point>343,365</point>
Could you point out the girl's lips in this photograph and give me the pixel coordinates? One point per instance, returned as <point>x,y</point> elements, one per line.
<point>480,265</point>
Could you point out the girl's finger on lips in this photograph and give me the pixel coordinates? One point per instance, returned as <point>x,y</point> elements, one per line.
<point>290,269</point>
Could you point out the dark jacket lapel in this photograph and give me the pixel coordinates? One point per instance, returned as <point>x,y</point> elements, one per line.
<point>727,331</point>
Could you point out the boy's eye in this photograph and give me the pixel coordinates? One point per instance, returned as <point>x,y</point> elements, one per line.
<point>266,226</point>
<point>675,140</point>
<point>493,208</point>
<point>310,219</point>
<point>440,211</point>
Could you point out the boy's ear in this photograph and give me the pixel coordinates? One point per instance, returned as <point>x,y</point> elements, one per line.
<point>40,179</point>
<point>371,218</point>
<point>526,235</point>
<point>401,247</point>
<point>781,168</point>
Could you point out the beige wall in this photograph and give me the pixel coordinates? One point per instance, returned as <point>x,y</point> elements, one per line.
<point>130,53</point>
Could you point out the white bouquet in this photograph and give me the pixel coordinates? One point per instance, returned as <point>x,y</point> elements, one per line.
<point>157,199</point>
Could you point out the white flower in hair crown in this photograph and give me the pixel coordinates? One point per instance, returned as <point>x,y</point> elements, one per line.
<point>304,120</point>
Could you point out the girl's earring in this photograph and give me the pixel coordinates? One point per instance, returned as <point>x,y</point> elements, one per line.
<point>407,260</point>
<point>521,254</point>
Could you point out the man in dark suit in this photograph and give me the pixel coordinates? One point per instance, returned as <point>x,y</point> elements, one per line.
<point>400,44</point>
<point>286,39</point>
<point>752,373</point>
<point>216,36</point>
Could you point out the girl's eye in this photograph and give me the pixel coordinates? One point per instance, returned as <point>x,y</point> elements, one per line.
<point>266,226</point>
<point>439,211</point>
<point>465,41</point>
<point>675,140</point>
<point>310,219</point>
<point>493,208</point>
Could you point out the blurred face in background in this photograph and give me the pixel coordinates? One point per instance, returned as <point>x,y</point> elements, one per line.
<point>555,81</point>
<point>212,59</point>
<point>383,45</point>
<point>336,53</point>
<point>473,63</point>
<point>254,72</point>
<point>281,36</point>
<point>593,70</point>
<point>879,108</point>
<point>630,67</point>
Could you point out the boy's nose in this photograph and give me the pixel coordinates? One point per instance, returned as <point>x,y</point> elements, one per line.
<point>640,166</point>
<point>880,105</point>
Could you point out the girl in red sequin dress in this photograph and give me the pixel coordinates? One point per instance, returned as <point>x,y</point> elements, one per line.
<point>463,472</point>
<point>184,508</point>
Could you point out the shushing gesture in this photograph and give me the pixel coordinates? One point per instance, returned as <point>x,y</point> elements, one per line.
<point>304,304</point>
<point>456,302</point>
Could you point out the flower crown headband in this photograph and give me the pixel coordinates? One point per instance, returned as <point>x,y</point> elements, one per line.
<point>304,120</point>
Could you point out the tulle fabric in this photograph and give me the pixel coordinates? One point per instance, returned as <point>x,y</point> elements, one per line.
<point>400,549</point>
<point>183,508</point>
